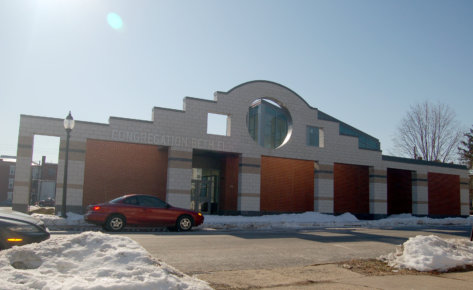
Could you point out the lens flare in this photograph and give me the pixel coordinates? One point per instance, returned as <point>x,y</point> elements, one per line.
<point>114,20</point>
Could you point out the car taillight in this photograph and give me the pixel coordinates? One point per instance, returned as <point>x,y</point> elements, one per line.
<point>96,208</point>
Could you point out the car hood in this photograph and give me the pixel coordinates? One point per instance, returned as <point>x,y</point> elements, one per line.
<point>8,213</point>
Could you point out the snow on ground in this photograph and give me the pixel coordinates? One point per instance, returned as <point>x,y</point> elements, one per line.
<point>281,221</point>
<point>423,253</point>
<point>52,221</point>
<point>294,221</point>
<point>90,260</point>
<point>428,253</point>
<point>314,220</point>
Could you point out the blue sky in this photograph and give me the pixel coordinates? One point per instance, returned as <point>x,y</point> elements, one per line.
<point>363,62</point>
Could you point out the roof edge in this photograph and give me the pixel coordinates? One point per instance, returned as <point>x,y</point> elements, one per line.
<point>268,82</point>
<point>422,162</point>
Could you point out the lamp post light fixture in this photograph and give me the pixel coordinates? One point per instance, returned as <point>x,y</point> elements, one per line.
<point>68,125</point>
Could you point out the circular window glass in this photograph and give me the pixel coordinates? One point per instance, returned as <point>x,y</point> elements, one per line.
<point>269,123</point>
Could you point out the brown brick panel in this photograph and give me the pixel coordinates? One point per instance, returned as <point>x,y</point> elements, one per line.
<point>113,169</point>
<point>287,185</point>
<point>229,190</point>
<point>351,189</point>
<point>399,191</point>
<point>444,194</point>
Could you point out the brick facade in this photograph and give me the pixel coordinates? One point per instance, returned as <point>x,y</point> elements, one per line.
<point>115,168</point>
<point>351,188</point>
<point>444,194</point>
<point>229,194</point>
<point>287,185</point>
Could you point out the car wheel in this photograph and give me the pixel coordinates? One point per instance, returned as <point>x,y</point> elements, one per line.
<point>184,223</point>
<point>115,223</point>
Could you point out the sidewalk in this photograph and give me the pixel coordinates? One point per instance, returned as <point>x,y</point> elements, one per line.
<point>332,276</point>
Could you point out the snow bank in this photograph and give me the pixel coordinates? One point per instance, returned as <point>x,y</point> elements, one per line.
<point>91,260</point>
<point>303,220</point>
<point>410,220</point>
<point>315,219</point>
<point>428,253</point>
<point>72,219</point>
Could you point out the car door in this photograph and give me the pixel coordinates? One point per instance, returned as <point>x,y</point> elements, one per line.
<point>133,212</point>
<point>157,212</point>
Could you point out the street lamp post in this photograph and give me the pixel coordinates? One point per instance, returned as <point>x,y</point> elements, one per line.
<point>68,125</point>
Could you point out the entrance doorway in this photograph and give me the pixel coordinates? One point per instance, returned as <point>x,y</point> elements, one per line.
<point>214,186</point>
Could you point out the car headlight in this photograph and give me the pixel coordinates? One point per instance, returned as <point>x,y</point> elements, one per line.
<point>23,228</point>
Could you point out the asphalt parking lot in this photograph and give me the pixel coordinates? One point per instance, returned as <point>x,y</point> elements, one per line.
<point>201,252</point>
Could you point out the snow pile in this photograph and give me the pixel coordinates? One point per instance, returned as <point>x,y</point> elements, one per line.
<point>410,220</point>
<point>90,260</point>
<point>52,221</point>
<point>428,253</point>
<point>303,220</point>
<point>315,219</point>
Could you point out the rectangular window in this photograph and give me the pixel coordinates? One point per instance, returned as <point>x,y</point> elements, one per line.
<point>218,124</point>
<point>12,170</point>
<point>313,136</point>
<point>364,140</point>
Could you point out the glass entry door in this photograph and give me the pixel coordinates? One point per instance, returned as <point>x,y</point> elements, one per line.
<point>204,194</point>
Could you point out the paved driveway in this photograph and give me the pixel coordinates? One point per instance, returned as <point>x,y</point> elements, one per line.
<point>211,251</point>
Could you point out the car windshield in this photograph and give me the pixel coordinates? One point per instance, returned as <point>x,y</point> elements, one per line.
<point>116,200</point>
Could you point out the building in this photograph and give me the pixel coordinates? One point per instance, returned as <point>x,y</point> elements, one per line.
<point>7,178</point>
<point>275,154</point>
<point>43,181</point>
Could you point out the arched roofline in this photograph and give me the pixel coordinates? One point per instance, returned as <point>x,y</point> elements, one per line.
<point>272,83</point>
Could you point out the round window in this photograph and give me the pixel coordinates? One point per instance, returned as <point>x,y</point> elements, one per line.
<point>269,123</point>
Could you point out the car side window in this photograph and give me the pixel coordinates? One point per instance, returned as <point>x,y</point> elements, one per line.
<point>131,200</point>
<point>149,201</point>
<point>160,203</point>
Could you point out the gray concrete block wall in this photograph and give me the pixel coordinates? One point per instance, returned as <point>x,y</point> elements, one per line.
<point>249,183</point>
<point>22,185</point>
<point>465,196</point>
<point>179,179</point>
<point>378,192</point>
<point>420,194</point>
<point>323,188</point>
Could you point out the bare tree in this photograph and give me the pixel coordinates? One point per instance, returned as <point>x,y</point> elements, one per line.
<point>429,131</point>
<point>465,150</point>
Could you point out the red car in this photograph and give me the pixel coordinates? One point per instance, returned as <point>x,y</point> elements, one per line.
<point>141,210</point>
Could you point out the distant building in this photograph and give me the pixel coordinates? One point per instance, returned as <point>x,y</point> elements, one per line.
<point>7,178</point>
<point>42,180</point>
<point>275,154</point>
